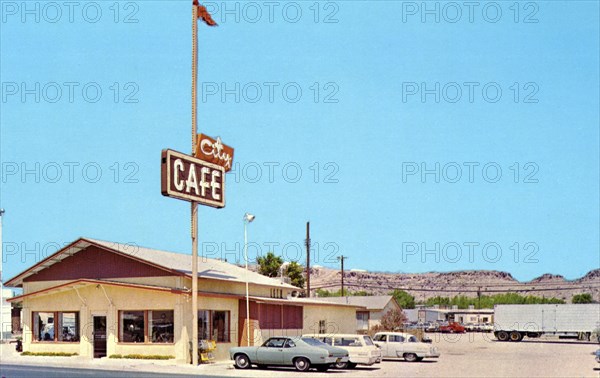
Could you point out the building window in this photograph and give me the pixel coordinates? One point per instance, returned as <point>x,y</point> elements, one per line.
<point>362,320</point>
<point>214,325</point>
<point>322,326</point>
<point>203,324</point>
<point>161,326</point>
<point>68,324</point>
<point>220,323</point>
<point>154,326</point>
<point>56,326</point>
<point>132,324</point>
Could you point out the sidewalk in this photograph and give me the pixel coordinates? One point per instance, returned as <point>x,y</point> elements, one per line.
<point>10,356</point>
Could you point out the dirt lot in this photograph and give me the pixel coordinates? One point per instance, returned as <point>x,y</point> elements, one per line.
<point>466,355</point>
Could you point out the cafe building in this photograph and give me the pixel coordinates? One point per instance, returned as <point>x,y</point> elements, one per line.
<point>98,298</point>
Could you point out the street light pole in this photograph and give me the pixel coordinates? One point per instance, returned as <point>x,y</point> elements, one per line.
<point>248,218</point>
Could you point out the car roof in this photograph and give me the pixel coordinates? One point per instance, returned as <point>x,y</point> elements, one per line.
<point>395,333</point>
<point>332,335</point>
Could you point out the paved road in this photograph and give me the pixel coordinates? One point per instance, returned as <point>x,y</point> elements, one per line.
<point>24,371</point>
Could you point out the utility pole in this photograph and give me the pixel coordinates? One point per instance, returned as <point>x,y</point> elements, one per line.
<point>479,297</point>
<point>341,259</point>
<point>307,241</point>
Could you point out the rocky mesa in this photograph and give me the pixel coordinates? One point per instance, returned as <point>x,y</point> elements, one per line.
<point>469,282</point>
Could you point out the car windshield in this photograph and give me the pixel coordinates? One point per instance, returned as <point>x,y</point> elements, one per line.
<point>313,342</point>
<point>368,340</point>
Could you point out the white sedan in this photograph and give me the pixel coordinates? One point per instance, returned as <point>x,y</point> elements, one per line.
<point>404,345</point>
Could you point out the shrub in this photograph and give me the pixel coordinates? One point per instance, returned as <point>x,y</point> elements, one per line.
<point>49,354</point>
<point>393,320</point>
<point>142,356</point>
<point>582,298</point>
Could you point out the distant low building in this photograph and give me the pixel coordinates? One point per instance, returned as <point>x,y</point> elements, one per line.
<point>453,314</point>
<point>470,315</point>
<point>5,315</point>
<point>375,307</point>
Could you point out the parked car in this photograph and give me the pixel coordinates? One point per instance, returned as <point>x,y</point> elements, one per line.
<point>404,345</point>
<point>597,354</point>
<point>288,351</point>
<point>486,327</point>
<point>361,348</point>
<point>340,353</point>
<point>452,327</point>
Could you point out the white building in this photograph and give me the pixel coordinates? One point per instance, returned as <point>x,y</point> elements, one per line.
<point>5,315</point>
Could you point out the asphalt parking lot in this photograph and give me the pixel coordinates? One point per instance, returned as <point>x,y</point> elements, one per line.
<point>465,355</point>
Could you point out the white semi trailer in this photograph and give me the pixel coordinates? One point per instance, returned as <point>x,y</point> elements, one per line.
<point>513,322</point>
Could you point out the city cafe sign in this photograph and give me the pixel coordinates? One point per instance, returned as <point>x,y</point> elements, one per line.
<point>214,151</point>
<point>191,179</point>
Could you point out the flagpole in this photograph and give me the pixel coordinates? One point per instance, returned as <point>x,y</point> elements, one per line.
<point>194,205</point>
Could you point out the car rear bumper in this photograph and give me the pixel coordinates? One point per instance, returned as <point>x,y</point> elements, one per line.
<point>335,360</point>
<point>365,360</point>
<point>428,354</point>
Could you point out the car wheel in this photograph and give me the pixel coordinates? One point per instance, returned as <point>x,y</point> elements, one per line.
<point>242,361</point>
<point>410,357</point>
<point>516,336</point>
<point>502,336</point>
<point>322,368</point>
<point>341,365</point>
<point>301,364</point>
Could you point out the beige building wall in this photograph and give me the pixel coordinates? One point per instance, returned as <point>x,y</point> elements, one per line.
<point>218,304</point>
<point>236,288</point>
<point>375,316</point>
<point>338,319</point>
<point>91,300</point>
<point>166,281</point>
<point>107,300</point>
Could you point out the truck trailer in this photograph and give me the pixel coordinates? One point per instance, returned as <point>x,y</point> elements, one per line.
<point>513,322</point>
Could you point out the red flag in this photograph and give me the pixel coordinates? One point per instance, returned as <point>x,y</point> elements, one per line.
<point>204,15</point>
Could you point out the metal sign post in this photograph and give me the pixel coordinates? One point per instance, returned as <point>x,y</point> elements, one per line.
<point>194,205</point>
<point>191,178</point>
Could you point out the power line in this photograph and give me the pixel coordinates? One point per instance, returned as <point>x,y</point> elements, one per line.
<point>462,289</point>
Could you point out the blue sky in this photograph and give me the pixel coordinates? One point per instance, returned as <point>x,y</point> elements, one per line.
<point>335,110</point>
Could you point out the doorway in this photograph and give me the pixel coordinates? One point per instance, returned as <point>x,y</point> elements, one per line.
<point>99,336</point>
